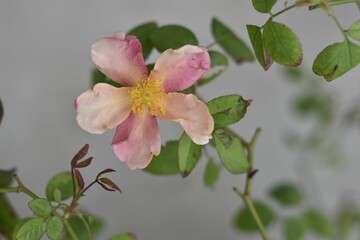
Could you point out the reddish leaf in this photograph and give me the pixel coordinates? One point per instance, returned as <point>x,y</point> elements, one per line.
<point>1,111</point>
<point>84,163</point>
<point>105,171</point>
<point>109,183</point>
<point>79,179</point>
<point>105,187</point>
<point>79,155</point>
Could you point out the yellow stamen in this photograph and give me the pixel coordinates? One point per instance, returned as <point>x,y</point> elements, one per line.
<point>148,94</point>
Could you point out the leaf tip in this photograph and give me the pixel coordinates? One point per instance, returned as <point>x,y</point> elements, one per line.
<point>185,173</point>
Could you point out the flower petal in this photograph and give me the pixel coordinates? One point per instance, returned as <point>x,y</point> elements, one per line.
<point>102,108</point>
<point>192,114</point>
<point>120,58</point>
<point>179,69</point>
<point>136,140</point>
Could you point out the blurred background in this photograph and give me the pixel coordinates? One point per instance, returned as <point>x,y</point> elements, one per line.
<point>45,65</point>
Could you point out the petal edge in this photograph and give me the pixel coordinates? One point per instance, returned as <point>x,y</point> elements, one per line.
<point>192,114</point>
<point>120,58</point>
<point>102,108</point>
<point>179,69</point>
<point>136,140</point>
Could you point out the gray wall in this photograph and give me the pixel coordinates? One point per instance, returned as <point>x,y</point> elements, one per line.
<point>45,65</point>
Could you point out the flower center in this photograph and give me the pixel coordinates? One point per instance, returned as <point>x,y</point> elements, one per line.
<point>148,94</point>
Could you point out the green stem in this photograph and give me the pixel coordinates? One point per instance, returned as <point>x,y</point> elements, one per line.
<point>250,150</point>
<point>9,190</point>
<point>246,195</point>
<point>70,230</point>
<point>327,8</point>
<point>335,2</point>
<point>211,45</point>
<point>20,188</point>
<point>339,27</point>
<point>73,183</point>
<point>254,214</point>
<point>282,11</point>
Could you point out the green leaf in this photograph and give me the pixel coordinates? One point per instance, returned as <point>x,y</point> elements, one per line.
<point>32,229</point>
<point>150,66</point>
<point>61,182</point>
<point>172,36</point>
<point>57,195</point>
<point>230,42</point>
<point>40,207</point>
<point>286,194</point>
<point>55,227</point>
<point>319,224</point>
<point>217,60</point>
<point>18,225</point>
<point>230,151</point>
<point>227,110</point>
<point>80,229</point>
<point>294,75</point>
<point>99,77</point>
<point>347,219</point>
<point>282,44</point>
<point>245,222</point>
<point>124,236</point>
<point>166,162</point>
<point>8,217</point>
<point>143,33</point>
<point>294,229</point>
<point>263,6</point>
<point>354,30</point>
<point>212,173</point>
<point>189,154</point>
<point>6,177</point>
<point>317,104</point>
<point>256,40</point>
<point>336,59</point>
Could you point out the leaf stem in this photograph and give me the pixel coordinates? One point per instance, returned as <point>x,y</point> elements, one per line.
<point>246,195</point>
<point>250,149</point>
<point>339,26</point>
<point>70,230</point>
<point>76,198</point>
<point>254,214</point>
<point>73,183</point>
<point>211,45</point>
<point>282,11</point>
<point>20,188</point>
<point>335,2</point>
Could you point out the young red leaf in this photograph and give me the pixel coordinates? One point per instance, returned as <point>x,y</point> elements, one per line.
<point>1,111</point>
<point>79,155</point>
<point>84,163</point>
<point>79,179</point>
<point>105,187</point>
<point>105,171</point>
<point>109,183</point>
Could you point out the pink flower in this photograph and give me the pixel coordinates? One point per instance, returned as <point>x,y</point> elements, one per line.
<point>133,108</point>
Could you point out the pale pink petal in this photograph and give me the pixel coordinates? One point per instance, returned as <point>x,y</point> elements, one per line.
<point>136,140</point>
<point>179,69</point>
<point>102,108</point>
<point>120,58</point>
<point>192,114</point>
